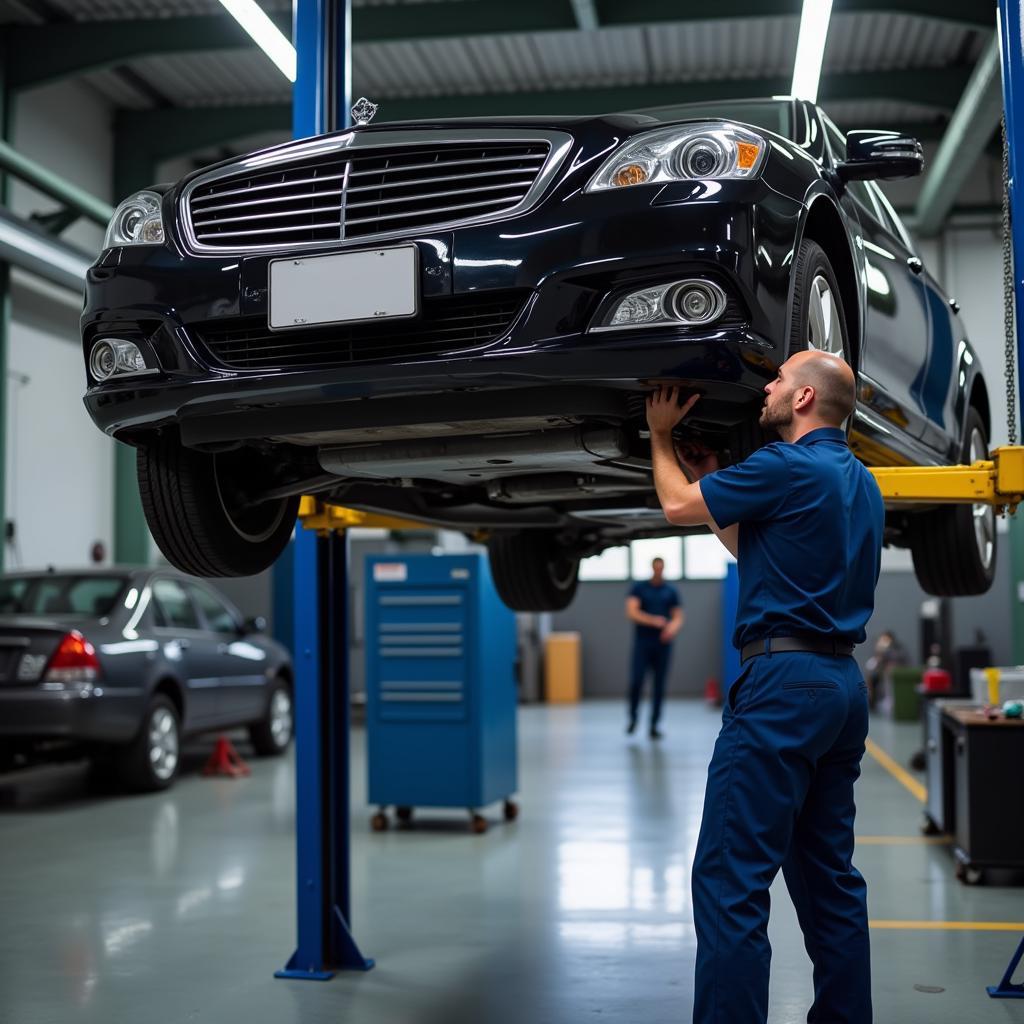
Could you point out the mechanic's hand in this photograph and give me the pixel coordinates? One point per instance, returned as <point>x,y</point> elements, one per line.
<point>668,634</point>
<point>660,622</point>
<point>696,460</point>
<point>664,411</point>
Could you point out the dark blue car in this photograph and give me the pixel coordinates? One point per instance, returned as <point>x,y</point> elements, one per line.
<point>457,322</point>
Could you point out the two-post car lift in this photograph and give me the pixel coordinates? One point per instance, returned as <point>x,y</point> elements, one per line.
<point>311,580</point>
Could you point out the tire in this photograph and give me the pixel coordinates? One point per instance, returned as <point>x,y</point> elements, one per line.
<point>150,762</point>
<point>954,548</point>
<point>188,501</point>
<point>532,572</point>
<point>272,736</point>
<point>813,280</point>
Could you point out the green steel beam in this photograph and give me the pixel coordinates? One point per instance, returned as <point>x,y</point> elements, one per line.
<point>6,133</point>
<point>43,53</point>
<point>971,128</point>
<point>155,135</point>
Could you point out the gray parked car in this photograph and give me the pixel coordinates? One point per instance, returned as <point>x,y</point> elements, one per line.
<point>124,662</point>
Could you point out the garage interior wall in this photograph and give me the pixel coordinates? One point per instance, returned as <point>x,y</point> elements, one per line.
<point>60,468</point>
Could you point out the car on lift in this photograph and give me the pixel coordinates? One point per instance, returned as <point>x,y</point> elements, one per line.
<point>457,322</point>
<point>120,664</point>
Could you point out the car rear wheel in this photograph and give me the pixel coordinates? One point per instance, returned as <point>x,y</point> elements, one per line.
<point>532,571</point>
<point>197,514</point>
<point>271,736</point>
<point>954,548</point>
<point>150,761</point>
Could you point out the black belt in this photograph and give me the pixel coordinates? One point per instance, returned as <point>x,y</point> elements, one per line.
<point>784,644</point>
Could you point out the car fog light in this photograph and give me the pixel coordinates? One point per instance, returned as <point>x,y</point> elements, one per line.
<point>111,356</point>
<point>698,302</point>
<point>674,304</point>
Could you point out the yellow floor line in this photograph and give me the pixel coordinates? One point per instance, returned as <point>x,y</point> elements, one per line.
<point>897,771</point>
<point>904,840</point>
<point>949,926</point>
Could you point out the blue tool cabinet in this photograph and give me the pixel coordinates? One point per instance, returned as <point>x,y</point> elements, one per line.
<point>440,687</point>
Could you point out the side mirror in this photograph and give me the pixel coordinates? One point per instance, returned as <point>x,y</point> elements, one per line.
<point>257,624</point>
<point>878,154</point>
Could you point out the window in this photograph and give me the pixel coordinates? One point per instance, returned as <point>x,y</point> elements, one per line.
<point>706,558</point>
<point>173,607</point>
<point>90,596</point>
<point>643,552</point>
<point>611,564</point>
<point>219,618</point>
<point>889,217</point>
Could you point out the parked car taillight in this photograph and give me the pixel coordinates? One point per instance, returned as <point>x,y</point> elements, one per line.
<point>74,665</point>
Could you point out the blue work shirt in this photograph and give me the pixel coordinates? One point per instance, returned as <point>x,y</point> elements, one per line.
<point>810,539</point>
<point>654,601</point>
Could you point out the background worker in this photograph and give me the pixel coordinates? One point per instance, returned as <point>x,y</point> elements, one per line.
<point>655,608</point>
<point>805,520</point>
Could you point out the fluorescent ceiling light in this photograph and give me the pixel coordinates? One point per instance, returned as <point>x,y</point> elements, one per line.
<point>267,36</point>
<point>810,48</point>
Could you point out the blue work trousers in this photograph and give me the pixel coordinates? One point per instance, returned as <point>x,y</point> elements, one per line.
<point>649,655</point>
<point>780,795</point>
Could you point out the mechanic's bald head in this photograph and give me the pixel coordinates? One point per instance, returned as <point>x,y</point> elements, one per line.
<point>813,388</point>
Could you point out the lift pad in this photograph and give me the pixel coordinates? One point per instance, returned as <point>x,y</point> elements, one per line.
<point>314,515</point>
<point>998,482</point>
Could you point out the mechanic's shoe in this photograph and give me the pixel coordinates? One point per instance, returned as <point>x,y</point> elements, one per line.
<point>655,734</point>
<point>631,728</point>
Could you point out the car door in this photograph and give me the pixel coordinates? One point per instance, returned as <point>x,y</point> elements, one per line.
<point>896,317</point>
<point>241,664</point>
<point>188,646</point>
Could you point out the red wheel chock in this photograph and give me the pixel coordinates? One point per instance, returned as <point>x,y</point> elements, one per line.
<point>225,760</point>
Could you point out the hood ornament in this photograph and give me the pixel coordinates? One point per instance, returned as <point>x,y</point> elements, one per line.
<point>363,111</point>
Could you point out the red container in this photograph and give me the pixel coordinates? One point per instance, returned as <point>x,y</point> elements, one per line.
<point>936,680</point>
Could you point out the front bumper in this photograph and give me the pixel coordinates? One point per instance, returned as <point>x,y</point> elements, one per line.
<point>564,267</point>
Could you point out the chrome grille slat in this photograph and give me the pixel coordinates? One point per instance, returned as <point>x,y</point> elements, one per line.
<point>378,185</point>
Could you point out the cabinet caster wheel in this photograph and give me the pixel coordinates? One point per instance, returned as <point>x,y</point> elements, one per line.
<point>511,810</point>
<point>478,823</point>
<point>404,814</point>
<point>969,875</point>
<point>379,822</point>
<point>928,827</point>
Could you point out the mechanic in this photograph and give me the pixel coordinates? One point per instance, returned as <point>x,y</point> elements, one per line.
<point>657,612</point>
<point>804,519</point>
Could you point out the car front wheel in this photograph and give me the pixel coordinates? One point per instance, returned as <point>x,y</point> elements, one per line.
<point>954,548</point>
<point>532,571</point>
<point>196,509</point>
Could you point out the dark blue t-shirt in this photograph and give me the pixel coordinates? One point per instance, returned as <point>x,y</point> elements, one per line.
<point>654,601</point>
<point>810,539</point>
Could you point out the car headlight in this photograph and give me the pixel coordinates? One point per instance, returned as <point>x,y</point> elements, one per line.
<point>716,150</point>
<point>136,221</point>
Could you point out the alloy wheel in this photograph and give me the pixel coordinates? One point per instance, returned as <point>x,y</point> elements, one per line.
<point>163,744</point>
<point>824,331</point>
<point>281,718</point>
<point>984,516</point>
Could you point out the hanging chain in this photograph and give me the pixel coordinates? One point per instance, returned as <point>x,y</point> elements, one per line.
<point>1008,301</point>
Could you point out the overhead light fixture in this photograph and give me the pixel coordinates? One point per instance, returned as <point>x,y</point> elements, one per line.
<point>810,48</point>
<point>265,34</point>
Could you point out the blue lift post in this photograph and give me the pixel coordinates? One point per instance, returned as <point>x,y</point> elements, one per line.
<point>1011,45</point>
<point>317,571</point>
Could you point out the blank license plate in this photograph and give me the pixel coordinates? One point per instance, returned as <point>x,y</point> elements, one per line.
<point>375,284</point>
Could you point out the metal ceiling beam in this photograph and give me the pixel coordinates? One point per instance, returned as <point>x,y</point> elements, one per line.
<point>970,130</point>
<point>585,12</point>
<point>42,53</point>
<point>163,134</point>
<point>30,248</point>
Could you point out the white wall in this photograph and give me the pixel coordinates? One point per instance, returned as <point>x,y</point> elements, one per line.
<point>60,468</point>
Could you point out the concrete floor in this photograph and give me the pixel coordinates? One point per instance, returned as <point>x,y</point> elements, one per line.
<point>178,907</point>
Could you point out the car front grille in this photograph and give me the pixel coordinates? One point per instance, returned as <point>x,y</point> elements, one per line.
<point>361,192</point>
<point>454,324</point>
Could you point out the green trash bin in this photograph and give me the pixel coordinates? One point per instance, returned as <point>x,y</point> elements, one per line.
<point>903,683</point>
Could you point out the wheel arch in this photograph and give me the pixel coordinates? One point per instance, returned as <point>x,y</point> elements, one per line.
<point>172,689</point>
<point>978,399</point>
<point>823,224</point>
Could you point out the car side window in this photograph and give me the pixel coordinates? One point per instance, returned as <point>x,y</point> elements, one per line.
<point>890,220</point>
<point>219,618</point>
<point>173,606</point>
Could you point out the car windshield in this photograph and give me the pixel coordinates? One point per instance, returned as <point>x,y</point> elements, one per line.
<point>88,596</point>
<point>772,115</point>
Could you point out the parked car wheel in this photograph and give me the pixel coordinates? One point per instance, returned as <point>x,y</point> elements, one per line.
<point>954,548</point>
<point>819,321</point>
<point>271,736</point>
<point>532,571</point>
<point>194,511</point>
<point>150,761</point>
